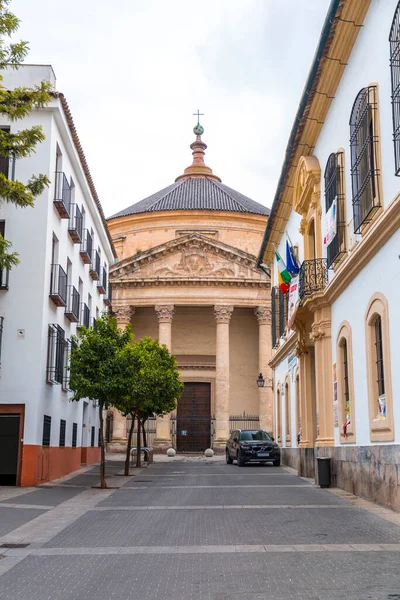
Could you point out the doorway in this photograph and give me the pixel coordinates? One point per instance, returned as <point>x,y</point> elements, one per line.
<point>9,448</point>
<point>193,420</point>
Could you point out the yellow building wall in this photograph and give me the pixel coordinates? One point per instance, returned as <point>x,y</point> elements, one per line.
<point>244,395</point>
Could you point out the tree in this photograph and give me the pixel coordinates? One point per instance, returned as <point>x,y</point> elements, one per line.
<point>96,369</point>
<point>15,105</point>
<point>153,384</point>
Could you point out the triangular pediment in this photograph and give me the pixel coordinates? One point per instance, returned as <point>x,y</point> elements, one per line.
<point>190,257</point>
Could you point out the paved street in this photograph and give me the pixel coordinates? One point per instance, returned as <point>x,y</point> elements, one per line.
<point>195,529</point>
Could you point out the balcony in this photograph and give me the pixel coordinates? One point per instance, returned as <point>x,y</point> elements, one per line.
<point>86,247</point>
<point>84,320</point>
<point>102,283</point>
<point>108,297</point>
<point>4,276</point>
<point>94,269</point>
<point>93,322</point>
<point>62,195</point>
<point>73,303</point>
<point>58,285</point>
<point>75,225</point>
<point>313,277</point>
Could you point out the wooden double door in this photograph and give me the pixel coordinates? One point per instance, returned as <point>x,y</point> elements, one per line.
<point>193,420</point>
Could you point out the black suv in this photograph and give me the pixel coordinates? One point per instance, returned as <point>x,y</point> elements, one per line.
<point>252,445</point>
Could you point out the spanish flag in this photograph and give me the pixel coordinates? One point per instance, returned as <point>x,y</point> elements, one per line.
<point>284,277</point>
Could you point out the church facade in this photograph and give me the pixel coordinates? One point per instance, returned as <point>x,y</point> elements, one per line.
<point>187,275</point>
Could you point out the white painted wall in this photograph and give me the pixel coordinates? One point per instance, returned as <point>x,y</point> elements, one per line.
<point>283,369</point>
<point>26,305</point>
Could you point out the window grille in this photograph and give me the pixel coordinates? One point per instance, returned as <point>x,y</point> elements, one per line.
<point>394,42</point>
<point>66,365</point>
<point>363,147</point>
<point>4,273</point>
<point>74,434</point>
<point>46,430</point>
<point>63,425</point>
<point>334,191</point>
<point>379,356</point>
<point>346,378</point>
<point>93,432</point>
<point>275,315</point>
<point>55,354</point>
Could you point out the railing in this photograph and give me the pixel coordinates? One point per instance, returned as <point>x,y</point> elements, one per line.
<point>62,195</point>
<point>102,283</point>
<point>86,247</point>
<point>108,297</point>
<point>192,434</point>
<point>149,427</point>
<point>94,269</point>
<point>243,422</point>
<point>313,277</point>
<point>84,320</point>
<point>73,302</point>
<point>58,285</point>
<point>75,225</point>
<point>4,277</point>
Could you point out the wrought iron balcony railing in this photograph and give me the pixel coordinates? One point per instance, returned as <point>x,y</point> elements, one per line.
<point>313,277</point>
<point>86,247</point>
<point>75,225</point>
<point>73,304</point>
<point>58,285</point>
<point>4,277</point>
<point>62,195</point>
<point>93,321</point>
<point>84,320</point>
<point>94,269</point>
<point>102,283</point>
<point>108,297</point>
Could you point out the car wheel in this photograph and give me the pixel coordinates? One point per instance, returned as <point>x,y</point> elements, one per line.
<point>240,459</point>
<point>229,460</point>
<point>277,462</point>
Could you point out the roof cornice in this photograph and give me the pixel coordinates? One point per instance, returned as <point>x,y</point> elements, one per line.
<point>339,33</point>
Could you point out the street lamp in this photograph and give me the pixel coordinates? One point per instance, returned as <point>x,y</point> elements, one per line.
<point>260,381</point>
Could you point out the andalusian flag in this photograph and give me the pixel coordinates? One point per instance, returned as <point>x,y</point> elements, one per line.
<point>284,277</point>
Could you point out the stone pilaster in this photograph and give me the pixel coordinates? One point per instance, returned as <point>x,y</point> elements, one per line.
<point>223,315</point>
<point>263,315</point>
<point>165,315</point>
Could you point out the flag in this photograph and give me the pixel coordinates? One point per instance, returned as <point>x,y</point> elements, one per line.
<point>284,276</point>
<point>291,262</point>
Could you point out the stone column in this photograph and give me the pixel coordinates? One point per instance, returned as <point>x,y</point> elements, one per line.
<point>263,315</point>
<point>223,315</point>
<point>165,315</point>
<point>123,315</point>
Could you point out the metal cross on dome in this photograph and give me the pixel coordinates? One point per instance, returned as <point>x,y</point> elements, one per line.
<point>198,115</point>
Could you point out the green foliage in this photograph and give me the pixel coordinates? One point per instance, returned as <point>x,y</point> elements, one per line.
<point>96,368</point>
<point>152,379</point>
<point>15,105</point>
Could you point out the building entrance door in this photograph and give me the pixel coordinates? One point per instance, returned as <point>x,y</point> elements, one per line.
<point>193,421</point>
<point>9,446</point>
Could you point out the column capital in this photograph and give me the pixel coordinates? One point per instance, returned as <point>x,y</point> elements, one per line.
<point>165,312</point>
<point>263,315</point>
<point>223,313</point>
<point>123,314</point>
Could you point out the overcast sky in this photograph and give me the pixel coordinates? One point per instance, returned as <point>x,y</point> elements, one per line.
<point>134,71</point>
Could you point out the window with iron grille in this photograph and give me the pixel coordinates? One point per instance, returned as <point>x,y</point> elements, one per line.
<point>55,354</point>
<point>66,365</point>
<point>283,312</point>
<point>63,426</point>
<point>274,316</point>
<point>346,391</point>
<point>364,149</point>
<point>74,434</point>
<point>335,208</point>
<point>379,356</point>
<point>46,430</point>
<point>93,436</point>
<point>5,160</point>
<point>394,42</point>
<point>4,273</point>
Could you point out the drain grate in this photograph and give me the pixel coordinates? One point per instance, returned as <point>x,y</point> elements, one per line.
<point>14,545</point>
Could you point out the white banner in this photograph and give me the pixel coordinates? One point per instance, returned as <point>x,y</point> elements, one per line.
<point>294,301</point>
<point>331,222</point>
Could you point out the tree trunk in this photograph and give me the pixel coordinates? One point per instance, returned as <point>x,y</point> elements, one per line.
<point>144,433</point>
<point>138,461</point>
<point>103,483</point>
<point>129,446</point>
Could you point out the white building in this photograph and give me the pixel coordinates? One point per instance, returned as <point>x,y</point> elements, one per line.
<point>336,373</point>
<point>61,281</point>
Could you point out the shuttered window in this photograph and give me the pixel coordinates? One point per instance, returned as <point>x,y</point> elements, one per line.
<point>63,426</point>
<point>46,430</point>
<point>74,434</point>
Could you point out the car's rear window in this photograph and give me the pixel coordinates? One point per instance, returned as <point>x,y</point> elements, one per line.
<point>254,436</point>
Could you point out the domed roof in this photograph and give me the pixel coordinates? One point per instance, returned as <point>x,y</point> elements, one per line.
<point>197,189</point>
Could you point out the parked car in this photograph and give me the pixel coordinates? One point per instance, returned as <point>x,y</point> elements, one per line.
<point>252,445</point>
